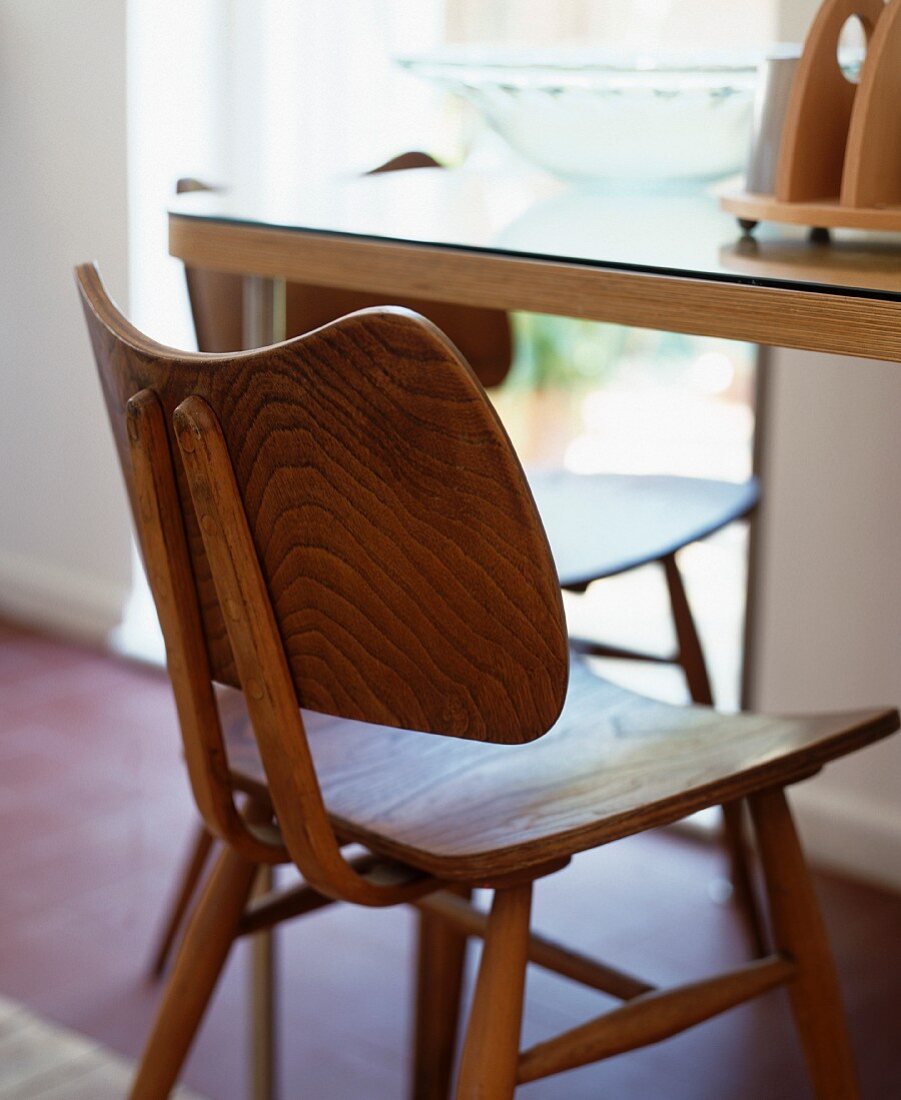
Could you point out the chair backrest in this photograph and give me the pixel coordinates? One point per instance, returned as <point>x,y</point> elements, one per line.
<point>406,566</point>
<point>483,336</point>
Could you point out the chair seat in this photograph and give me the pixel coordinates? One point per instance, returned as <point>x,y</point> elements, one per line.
<point>602,524</point>
<point>615,763</point>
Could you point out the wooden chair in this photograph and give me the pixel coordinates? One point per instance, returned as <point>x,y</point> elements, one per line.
<point>338,527</point>
<point>646,519</point>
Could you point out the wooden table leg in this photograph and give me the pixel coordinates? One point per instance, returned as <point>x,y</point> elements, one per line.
<point>263,1009</point>
<point>264,311</point>
<point>440,964</point>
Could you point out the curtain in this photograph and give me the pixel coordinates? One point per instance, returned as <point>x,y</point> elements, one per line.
<point>238,91</point>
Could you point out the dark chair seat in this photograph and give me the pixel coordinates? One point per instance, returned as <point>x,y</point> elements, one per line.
<point>615,763</point>
<point>599,525</point>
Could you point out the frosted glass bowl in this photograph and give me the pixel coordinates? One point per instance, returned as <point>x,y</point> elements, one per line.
<point>590,115</point>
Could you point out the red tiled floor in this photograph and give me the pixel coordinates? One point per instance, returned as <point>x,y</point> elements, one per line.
<point>94,815</point>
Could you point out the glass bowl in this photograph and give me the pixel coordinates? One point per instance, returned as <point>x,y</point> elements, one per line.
<point>597,116</point>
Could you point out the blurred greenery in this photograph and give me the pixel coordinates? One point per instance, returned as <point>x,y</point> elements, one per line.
<point>563,353</point>
<point>560,352</point>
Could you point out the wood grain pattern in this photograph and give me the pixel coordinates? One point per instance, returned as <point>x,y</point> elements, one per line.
<point>370,546</point>
<point>814,138</point>
<point>482,336</point>
<point>616,763</point>
<point>815,321</point>
<point>406,564</point>
<point>265,674</point>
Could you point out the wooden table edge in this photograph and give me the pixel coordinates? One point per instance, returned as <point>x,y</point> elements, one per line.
<point>814,320</point>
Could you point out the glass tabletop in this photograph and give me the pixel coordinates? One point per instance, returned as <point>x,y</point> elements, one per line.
<point>671,232</point>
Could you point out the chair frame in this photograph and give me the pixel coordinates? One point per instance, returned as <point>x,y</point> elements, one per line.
<point>492,1064</point>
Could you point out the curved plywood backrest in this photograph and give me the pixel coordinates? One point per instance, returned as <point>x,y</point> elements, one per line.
<point>407,568</point>
<point>483,336</point>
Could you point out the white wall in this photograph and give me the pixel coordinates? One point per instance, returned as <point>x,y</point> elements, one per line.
<point>239,92</point>
<point>64,544</point>
<point>179,122</point>
<point>830,605</point>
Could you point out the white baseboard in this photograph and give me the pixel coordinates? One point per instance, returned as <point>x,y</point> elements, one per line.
<point>58,600</point>
<point>852,835</point>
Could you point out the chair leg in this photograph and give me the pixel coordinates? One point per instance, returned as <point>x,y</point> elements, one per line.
<point>441,956</point>
<point>491,1050</point>
<point>691,659</point>
<point>187,888</point>
<point>263,1014</point>
<point>799,932</point>
<point>199,962</point>
<point>691,655</point>
<point>740,874</point>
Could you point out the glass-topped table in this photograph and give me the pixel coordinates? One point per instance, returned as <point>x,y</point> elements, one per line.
<point>667,261</point>
<point>672,262</point>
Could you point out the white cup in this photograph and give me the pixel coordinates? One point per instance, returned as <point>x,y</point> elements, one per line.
<point>770,104</point>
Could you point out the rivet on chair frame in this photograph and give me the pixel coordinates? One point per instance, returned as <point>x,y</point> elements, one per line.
<point>255,689</point>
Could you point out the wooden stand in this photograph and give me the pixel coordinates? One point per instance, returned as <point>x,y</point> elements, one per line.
<point>840,157</point>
